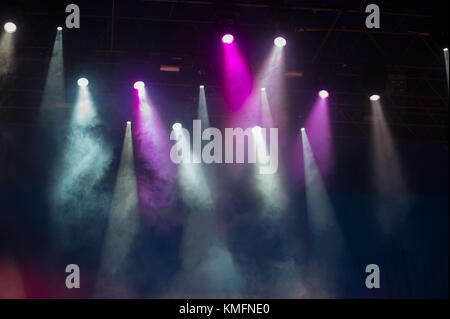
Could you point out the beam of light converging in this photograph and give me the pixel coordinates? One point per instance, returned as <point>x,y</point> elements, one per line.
<point>84,160</point>
<point>319,132</point>
<point>388,171</point>
<point>155,172</point>
<point>238,79</point>
<point>326,238</point>
<point>203,107</point>
<point>54,90</point>
<point>389,179</point>
<point>208,268</point>
<point>269,186</point>
<point>6,53</point>
<point>446,63</point>
<point>122,227</point>
<point>267,120</point>
<point>272,80</point>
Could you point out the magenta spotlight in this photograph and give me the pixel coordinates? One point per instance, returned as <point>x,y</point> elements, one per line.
<point>280,42</point>
<point>139,85</point>
<point>227,39</point>
<point>324,94</point>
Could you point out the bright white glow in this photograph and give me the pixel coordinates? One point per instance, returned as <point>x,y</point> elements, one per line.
<point>324,94</point>
<point>445,49</point>
<point>280,42</point>
<point>374,97</point>
<point>128,122</point>
<point>227,39</point>
<point>263,89</point>
<point>139,85</point>
<point>59,28</point>
<point>256,129</point>
<point>302,129</point>
<point>177,126</point>
<point>202,86</point>
<point>10,27</point>
<point>83,82</point>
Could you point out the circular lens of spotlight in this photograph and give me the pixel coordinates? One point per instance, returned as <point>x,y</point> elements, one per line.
<point>324,94</point>
<point>139,85</point>
<point>128,122</point>
<point>10,27</point>
<point>256,129</point>
<point>375,97</point>
<point>263,89</point>
<point>227,39</point>
<point>83,82</point>
<point>202,86</point>
<point>176,126</point>
<point>302,129</point>
<point>280,42</point>
<point>59,28</point>
<point>445,49</point>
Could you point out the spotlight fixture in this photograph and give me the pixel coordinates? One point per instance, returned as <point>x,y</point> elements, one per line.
<point>445,49</point>
<point>280,42</point>
<point>128,122</point>
<point>302,129</point>
<point>227,39</point>
<point>82,82</point>
<point>374,97</point>
<point>139,85</point>
<point>177,126</point>
<point>10,27</point>
<point>263,89</point>
<point>324,94</point>
<point>256,129</point>
<point>202,86</point>
<point>59,28</point>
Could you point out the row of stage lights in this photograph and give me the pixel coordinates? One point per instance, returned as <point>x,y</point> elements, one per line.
<point>139,85</point>
<point>279,42</point>
<point>10,27</point>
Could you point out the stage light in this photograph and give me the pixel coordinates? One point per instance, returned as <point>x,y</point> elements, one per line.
<point>128,122</point>
<point>177,126</point>
<point>256,129</point>
<point>227,39</point>
<point>302,129</point>
<point>280,42</point>
<point>263,89</point>
<point>10,27</point>
<point>375,97</point>
<point>324,94</point>
<point>83,82</point>
<point>139,85</point>
<point>59,28</point>
<point>202,86</point>
<point>445,49</point>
